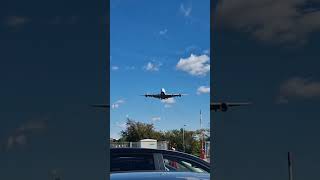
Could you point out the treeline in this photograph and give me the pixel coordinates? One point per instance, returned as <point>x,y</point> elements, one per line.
<point>135,131</point>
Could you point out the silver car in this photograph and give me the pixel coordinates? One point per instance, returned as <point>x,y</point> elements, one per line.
<point>140,163</point>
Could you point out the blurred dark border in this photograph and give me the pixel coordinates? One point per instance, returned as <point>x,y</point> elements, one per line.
<point>107,50</point>
<point>213,4</point>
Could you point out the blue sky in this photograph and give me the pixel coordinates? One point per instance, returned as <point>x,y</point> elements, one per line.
<point>154,45</point>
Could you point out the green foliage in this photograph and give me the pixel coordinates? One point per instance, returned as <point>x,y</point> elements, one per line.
<point>136,131</point>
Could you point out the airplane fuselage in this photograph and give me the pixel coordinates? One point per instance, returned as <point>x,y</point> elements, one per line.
<point>163,95</point>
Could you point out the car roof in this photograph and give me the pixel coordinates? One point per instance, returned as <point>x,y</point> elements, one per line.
<point>160,175</point>
<point>146,150</point>
<point>126,151</point>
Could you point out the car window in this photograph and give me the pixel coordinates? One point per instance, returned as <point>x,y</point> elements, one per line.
<point>132,162</point>
<point>182,165</point>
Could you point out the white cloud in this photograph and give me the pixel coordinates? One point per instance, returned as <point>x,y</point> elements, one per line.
<point>185,11</point>
<point>163,32</point>
<point>269,20</point>
<point>120,101</point>
<point>203,90</point>
<point>115,68</point>
<point>169,101</point>
<point>156,118</point>
<point>298,87</point>
<point>152,66</point>
<point>195,65</point>
<point>117,104</point>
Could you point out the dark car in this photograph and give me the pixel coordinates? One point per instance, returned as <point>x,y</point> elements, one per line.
<point>126,160</point>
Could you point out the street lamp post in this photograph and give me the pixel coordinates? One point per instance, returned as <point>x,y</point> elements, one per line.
<point>184,148</point>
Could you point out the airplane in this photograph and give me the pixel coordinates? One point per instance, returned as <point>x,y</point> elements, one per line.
<point>224,106</point>
<point>163,95</point>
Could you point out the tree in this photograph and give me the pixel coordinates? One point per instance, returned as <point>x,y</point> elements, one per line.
<point>175,138</point>
<point>136,131</point>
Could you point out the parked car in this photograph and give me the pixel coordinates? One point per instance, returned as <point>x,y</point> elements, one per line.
<point>140,163</point>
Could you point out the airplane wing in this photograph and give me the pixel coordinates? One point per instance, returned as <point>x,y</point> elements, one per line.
<point>152,95</point>
<point>173,95</point>
<point>223,106</point>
